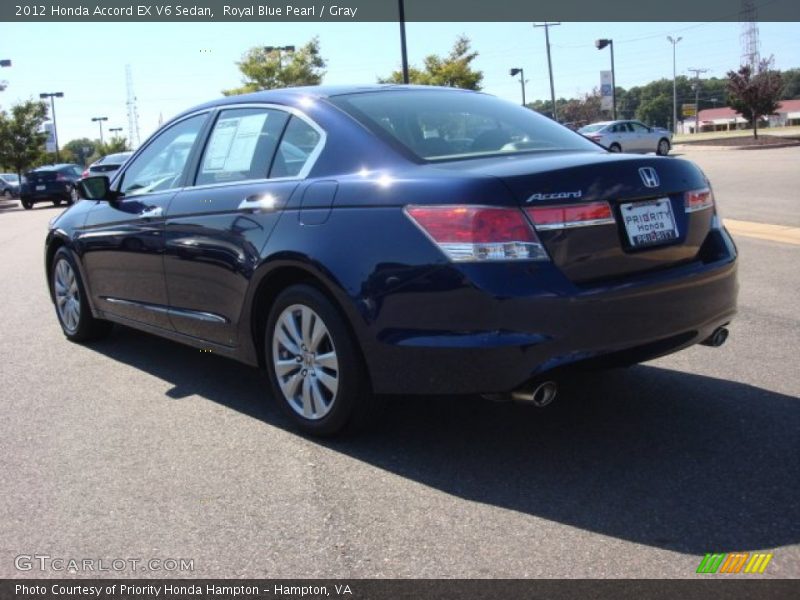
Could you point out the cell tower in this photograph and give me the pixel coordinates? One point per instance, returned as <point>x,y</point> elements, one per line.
<point>133,112</point>
<point>750,45</point>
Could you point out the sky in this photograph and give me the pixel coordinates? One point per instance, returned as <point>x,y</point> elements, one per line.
<point>176,66</point>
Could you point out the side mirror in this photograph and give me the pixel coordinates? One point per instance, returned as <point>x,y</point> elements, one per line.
<point>97,187</point>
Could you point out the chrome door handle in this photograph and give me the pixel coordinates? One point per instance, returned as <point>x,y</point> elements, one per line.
<point>259,203</point>
<point>155,211</point>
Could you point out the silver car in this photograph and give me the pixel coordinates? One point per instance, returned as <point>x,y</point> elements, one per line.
<point>107,165</point>
<point>629,136</point>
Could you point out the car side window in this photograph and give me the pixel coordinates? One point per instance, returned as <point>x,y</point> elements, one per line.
<point>296,149</point>
<point>160,165</point>
<point>241,146</point>
<point>639,128</point>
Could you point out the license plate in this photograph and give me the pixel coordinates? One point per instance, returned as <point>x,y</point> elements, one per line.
<point>649,223</point>
<point>41,188</point>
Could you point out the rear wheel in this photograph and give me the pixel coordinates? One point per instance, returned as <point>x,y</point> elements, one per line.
<point>73,196</point>
<point>27,204</point>
<point>663,147</point>
<point>57,202</point>
<point>72,307</point>
<point>314,366</point>
<point>615,148</point>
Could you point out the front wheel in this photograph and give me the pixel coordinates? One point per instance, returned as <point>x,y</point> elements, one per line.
<point>663,147</point>
<point>314,365</point>
<point>615,148</point>
<point>72,306</point>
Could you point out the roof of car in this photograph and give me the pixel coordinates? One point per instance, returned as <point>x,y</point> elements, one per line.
<point>292,94</point>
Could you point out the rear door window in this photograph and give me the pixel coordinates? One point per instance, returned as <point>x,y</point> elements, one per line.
<point>299,145</point>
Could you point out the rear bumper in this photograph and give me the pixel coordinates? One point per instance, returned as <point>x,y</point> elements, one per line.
<point>46,195</point>
<point>491,328</point>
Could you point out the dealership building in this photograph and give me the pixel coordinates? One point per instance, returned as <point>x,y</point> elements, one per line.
<point>727,119</point>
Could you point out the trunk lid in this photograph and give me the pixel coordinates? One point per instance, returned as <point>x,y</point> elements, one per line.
<point>632,186</point>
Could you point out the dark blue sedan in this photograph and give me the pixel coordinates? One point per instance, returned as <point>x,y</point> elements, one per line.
<point>363,241</point>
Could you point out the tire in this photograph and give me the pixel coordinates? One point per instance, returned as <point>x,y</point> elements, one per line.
<point>72,307</point>
<point>57,202</point>
<point>27,204</point>
<point>7,194</point>
<point>74,196</point>
<point>615,147</point>
<point>663,147</point>
<point>321,397</point>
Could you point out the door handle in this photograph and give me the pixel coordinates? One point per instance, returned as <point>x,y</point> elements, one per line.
<point>259,203</point>
<point>153,211</point>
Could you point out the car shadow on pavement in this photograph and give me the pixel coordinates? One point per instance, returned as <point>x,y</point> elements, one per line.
<point>664,458</point>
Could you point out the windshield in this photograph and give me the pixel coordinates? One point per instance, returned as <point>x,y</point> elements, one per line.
<point>591,128</point>
<point>439,125</point>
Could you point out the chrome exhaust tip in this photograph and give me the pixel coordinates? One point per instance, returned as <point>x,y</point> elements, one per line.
<point>540,395</point>
<point>717,338</point>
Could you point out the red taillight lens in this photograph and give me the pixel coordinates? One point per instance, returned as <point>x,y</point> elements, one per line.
<point>475,233</point>
<point>570,215</point>
<point>85,173</point>
<point>698,200</point>
<point>61,177</point>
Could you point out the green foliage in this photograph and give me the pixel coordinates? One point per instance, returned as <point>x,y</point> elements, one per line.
<point>755,95</point>
<point>581,111</point>
<point>791,84</point>
<point>270,70</point>
<point>453,70</point>
<point>79,151</point>
<point>21,138</point>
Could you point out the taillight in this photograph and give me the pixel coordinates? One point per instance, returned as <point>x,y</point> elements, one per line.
<point>698,200</point>
<point>479,233</point>
<point>570,215</point>
<point>61,177</point>
<point>85,173</point>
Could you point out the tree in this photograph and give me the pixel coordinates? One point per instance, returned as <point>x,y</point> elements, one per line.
<point>21,138</point>
<point>581,111</point>
<point>791,84</point>
<point>755,95</point>
<point>80,150</point>
<point>454,70</point>
<point>269,70</point>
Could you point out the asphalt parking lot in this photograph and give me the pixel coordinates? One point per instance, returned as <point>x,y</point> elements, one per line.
<point>136,447</point>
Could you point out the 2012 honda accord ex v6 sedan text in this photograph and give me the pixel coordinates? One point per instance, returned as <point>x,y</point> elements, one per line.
<point>364,241</point>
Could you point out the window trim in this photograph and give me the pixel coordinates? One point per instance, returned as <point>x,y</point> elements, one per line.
<point>313,156</point>
<point>119,176</point>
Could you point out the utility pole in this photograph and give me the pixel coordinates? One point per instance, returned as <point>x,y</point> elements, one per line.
<point>547,27</point>
<point>674,41</point>
<point>403,51</point>
<point>697,73</point>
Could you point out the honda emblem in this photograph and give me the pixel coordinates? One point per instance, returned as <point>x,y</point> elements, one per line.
<point>649,177</point>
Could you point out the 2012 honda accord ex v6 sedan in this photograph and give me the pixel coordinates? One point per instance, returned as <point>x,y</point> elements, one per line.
<point>364,241</point>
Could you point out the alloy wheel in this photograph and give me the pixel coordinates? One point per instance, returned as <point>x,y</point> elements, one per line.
<point>305,362</point>
<point>68,300</point>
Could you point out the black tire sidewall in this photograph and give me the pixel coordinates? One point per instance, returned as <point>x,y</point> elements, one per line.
<point>351,393</point>
<point>86,323</point>
<point>668,146</point>
<point>615,148</point>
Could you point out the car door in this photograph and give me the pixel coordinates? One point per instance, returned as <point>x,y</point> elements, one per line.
<point>122,241</point>
<point>646,139</point>
<point>216,228</point>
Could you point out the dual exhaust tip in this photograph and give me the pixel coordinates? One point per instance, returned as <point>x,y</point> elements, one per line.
<point>542,393</point>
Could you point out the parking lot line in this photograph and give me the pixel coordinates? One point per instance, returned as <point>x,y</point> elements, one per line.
<point>764,231</point>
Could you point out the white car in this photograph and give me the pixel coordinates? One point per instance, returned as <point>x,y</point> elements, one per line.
<point>629,136</point>
<point>108,165</point>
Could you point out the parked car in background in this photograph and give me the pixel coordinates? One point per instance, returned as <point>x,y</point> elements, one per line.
<point>363,241</point>
<point>9,185</point>
<point>629,136</point>
<point>107,165</point>
<point>50,183</point>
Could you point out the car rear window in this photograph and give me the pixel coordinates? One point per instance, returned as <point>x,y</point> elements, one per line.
<point>440,125</point>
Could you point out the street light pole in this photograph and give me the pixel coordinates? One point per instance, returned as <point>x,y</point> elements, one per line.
<point>600,44</point>
<point>547,27</point>
<point>674,42</point>
<point>99,121</point>
<point>52,96</point>
<point>403,51</point>
<point>521,73</point>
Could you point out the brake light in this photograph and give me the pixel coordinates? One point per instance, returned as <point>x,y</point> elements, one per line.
<point>479,233</point>
<point>698,200</point>
<point>61,177</point>
<point>85,173</point>
<point>570,215</point>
